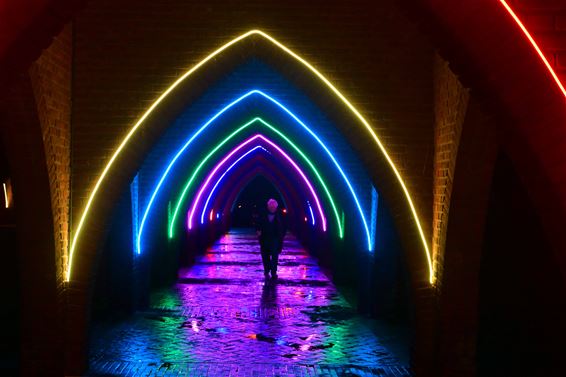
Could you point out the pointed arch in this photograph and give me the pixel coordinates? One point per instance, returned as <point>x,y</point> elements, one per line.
<point>255,121</point>
<point>364,123</point>
<point>260,139</point>
<point>254,139</point>
<point>266,168</point>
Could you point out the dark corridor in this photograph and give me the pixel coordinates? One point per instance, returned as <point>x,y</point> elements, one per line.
<point>222,318</point>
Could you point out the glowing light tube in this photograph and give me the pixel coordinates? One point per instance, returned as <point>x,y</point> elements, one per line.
<point>313,168</point>
<point>6,202</point>
<point>202,215</point>
<point>535,46</point>
<point>279,133</point>
<point>220,179</point>
<point>312,134</point>
<point>310,210</point>
<point>238,148</point>
<point>265,168</point>
<point>195,68</point>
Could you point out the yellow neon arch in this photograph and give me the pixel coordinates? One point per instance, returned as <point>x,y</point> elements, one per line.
<point>193,70</point>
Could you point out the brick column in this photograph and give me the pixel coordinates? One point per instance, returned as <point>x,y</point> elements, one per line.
<point>451,101</point>
<point>459,288</point>
<point>51,81</point>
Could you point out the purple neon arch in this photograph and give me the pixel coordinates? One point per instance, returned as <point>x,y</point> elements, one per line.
<point>257,166</point>
<point>203,213</point>
<point>289,160</point>
<point>216,185</point>
<point>232,153</point>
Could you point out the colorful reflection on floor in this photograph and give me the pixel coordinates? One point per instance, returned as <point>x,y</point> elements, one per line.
<point>223,317</point>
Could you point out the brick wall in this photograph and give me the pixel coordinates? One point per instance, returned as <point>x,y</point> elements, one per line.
<point>51,81</point>
<point>451,102</point>
<point>457,305</point>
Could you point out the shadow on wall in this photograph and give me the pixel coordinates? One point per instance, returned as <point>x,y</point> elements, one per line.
<point>522,297</point>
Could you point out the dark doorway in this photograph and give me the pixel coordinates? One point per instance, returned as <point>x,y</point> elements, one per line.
<point>252,200</point>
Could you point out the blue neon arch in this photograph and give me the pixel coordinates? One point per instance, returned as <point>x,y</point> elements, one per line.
<point>269,168</point>
<point>219,114</point>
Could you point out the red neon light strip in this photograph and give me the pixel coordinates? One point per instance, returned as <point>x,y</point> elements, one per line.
<point>545,61</point>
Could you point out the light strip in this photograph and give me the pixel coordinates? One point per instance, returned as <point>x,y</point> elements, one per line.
<point>375,138</point>
<point>321,143</point>
<point>7,203</point>
<point>312,215</point>
<point>170,166</point>
<point>535,45</point>
<point>131,133</point>
<point>330,86</point>
<point>202,215</point>
<point>374,204</point>
<point>238,148</point>
<point>134,194</point>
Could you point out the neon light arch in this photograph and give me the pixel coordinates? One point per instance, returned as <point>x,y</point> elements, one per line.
<point>256,120</point>
<point>238,148</point>
<point>220,180</point>
<point>195,68</point>
<point>259,166</point>
<point>242,145</point>
<point>303,125</point>
<point>217,183</point>
<point>203,213</point>
<point>272,170</point>
<point>250,175</point>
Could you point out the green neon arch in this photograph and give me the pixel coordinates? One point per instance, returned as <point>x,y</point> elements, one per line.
<point>263,123</point>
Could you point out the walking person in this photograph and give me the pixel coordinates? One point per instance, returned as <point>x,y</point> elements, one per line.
<point>271,231</point>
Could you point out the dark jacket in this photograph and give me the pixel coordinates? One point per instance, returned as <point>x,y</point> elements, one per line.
<point>272,233</point>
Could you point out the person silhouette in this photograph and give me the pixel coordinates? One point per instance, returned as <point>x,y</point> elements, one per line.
<point>271,231</point>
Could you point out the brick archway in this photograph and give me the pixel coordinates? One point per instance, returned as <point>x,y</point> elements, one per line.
<point>133,153</point>
<point>538,154</point>
<point>255,45</point>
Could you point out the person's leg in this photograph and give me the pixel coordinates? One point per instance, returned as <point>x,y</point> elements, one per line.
<point>274,261</point>
<point>266,261</point>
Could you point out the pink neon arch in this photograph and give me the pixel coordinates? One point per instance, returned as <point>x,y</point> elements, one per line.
<point>232,153</point>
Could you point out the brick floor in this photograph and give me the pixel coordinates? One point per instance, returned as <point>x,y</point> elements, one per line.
<point>223,319</point>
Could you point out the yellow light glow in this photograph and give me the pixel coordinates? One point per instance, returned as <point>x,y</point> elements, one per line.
<point>6,202</point>
<point>194,69</point>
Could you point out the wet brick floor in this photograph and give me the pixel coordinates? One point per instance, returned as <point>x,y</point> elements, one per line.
<point>223,319</point>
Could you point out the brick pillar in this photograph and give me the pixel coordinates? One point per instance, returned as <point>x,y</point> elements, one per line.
<point>451,101</point>
<point>51,81</point>
<point>459,288</point>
